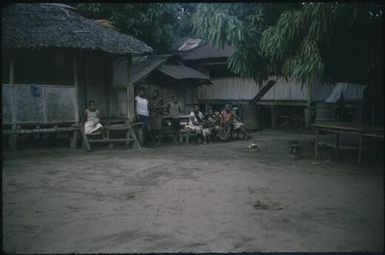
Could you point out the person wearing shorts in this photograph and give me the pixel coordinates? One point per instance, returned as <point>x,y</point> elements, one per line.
<point>156,107</point>
<point>227,122</point>
<point>174,109</point>
<point>142,112</point>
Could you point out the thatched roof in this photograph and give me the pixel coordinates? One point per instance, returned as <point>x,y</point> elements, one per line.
<point>39,25</point>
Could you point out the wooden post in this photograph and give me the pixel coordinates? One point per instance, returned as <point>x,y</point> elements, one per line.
<point>12,85</point>
<point>139,138</point>
<point>257,118</point>
<point>130,93</point>
<point>74,137</point>
<point>76,86</point>
<point>308,108</point>
<point>44,93</point>
<point>274,116</point>
<point>337,141</point>
<point>359,149</point>
<point>12,138</point>
<point>316,143</point>
<point>130,102</point>
<point>357,118</point>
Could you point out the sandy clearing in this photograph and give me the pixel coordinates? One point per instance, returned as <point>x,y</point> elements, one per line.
<point>191,198</point>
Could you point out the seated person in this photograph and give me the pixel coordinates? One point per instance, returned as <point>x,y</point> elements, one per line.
<point>227,124</point>
<point>91,117</point>
<point>207,125</point>
<point>240,127</point>
<point>211,125</point>
<point>217,127</point>
<point>196,121</point>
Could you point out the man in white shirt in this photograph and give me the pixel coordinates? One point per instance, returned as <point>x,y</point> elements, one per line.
<point>142,111</point>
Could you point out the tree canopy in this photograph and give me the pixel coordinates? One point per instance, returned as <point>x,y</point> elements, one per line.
<point>334,41</point>
<point>157,24</point>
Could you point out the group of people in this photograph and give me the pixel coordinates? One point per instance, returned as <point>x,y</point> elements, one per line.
<point>150,112</point>
<point>215,124</point>
<point>212,124</point>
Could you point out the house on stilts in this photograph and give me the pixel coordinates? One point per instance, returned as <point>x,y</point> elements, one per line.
<point>54,61</point>
<point>259,106</point>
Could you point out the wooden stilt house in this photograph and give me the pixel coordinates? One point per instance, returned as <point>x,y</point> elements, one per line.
<point>54,61</point>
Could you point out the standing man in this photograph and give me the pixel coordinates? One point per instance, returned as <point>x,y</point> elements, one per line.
<point>174,109</point>
<point>227,122</point>
<point>156,117</point>
<point>142,111</point>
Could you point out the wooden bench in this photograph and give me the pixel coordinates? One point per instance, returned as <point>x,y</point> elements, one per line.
<point>130,136</point>
<point>346,128</point>
<point>56,128</point>
<point>185,135</point>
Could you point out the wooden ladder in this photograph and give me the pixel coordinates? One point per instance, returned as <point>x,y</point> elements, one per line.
<point>130,136</point>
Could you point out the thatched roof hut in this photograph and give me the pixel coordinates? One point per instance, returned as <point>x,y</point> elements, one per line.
<point>38,25</point>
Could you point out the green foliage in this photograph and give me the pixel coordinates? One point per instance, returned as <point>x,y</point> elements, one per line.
<point>92,7</point>
<point>239,25</point>
<point>308,42</point>
<point>157,24</point>
<point>334,41</point>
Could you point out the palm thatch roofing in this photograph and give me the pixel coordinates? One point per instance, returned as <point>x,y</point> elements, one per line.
<point>38,25</point>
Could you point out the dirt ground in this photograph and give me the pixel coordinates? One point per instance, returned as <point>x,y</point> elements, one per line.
<point>193,198</point>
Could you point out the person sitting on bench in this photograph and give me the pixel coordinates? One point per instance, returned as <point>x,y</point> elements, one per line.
<point>195,123</point>
<point>217,127</point>
<point>91,117</point>
<point>206,129</point>
<point>210,125</point>
<point>240,128</point>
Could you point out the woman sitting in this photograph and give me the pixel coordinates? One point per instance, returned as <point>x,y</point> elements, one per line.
<point>240,128</point>
<point>195,122</point>
<point>91,117</point>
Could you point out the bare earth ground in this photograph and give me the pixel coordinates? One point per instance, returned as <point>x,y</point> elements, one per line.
<point>191,198</point>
